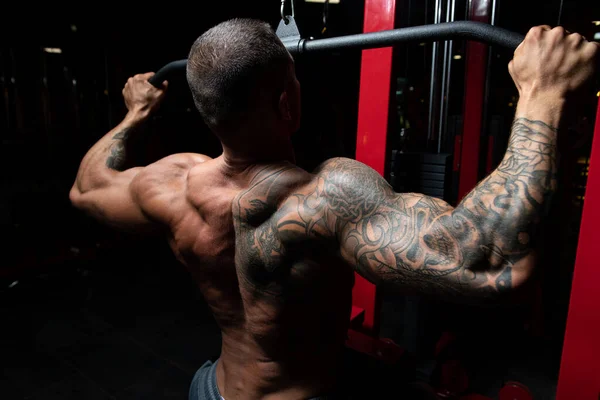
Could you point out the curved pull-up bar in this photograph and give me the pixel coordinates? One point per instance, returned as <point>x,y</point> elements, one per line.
<point>468,30</point>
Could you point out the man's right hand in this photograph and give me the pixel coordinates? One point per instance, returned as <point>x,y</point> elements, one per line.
<point>550,63</point>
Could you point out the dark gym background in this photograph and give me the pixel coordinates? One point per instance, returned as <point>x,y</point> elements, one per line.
<point>88,313</point>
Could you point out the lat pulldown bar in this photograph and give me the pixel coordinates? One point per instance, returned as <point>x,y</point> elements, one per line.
<point>468,30</point>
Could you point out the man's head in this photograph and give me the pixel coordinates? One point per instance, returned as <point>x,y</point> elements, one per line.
<point>242,80</point>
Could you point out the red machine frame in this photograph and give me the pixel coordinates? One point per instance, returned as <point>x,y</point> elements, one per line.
<point>371,144</point>
<point>579,376</point>
<point>371,138</point>
<point>467,162</point>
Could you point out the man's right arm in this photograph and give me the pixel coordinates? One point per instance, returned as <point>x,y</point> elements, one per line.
<point>482,248</point>
<point>486,245</point>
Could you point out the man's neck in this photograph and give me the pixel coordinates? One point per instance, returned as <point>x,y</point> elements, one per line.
<point>239,158</point>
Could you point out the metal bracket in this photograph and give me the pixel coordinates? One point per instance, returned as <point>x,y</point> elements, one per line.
<point>288,31</point>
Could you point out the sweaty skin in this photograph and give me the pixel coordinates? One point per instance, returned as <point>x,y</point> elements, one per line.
<point>273,248</point>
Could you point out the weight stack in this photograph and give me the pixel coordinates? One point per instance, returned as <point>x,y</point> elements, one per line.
<point>417,172</point>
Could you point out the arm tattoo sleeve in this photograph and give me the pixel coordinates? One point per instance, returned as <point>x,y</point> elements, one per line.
<point>422,243</point>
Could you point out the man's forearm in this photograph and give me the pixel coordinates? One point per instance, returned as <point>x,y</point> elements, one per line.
<point>109,154</point>
<point>503,212</point>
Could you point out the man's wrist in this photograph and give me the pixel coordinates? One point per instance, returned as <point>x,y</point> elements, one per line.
<point>543,107</point>
<point>136,117</point>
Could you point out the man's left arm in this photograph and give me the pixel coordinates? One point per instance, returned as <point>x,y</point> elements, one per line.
<point>107,187</point>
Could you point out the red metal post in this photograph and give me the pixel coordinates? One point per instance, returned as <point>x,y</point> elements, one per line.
<point>371,138</point>
<point>579,376</point>
<point>476,61</point>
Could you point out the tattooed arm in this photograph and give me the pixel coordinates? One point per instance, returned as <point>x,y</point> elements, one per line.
<point>110,189</point>
<point>481,248</point>
<point>109,155</point>
<point>103,183</point>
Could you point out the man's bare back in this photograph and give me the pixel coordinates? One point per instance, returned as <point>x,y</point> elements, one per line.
<point>283,321</point>
<point>273,248</point>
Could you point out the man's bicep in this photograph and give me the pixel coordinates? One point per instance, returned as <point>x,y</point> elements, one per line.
<point>117,204</point>
<point>409,241</point>
<point>418,244</point>
<point>403,243</point>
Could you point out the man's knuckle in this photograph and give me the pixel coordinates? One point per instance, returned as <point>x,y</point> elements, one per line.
<point>591,50</point>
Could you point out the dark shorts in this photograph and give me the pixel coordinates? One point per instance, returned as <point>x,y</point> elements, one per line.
<point>204,384</point>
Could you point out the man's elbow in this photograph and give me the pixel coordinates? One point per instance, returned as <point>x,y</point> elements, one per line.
<point>523,271</point>
<point>75,197</point>
<point>511,281</point>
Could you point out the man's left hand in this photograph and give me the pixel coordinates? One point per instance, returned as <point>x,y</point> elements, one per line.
<point>141,97</point>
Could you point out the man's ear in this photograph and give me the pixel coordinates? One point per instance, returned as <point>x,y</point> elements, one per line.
<point>284,107</point>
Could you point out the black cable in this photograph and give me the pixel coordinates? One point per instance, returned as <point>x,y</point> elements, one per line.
<point>560,11</point>
<point>325,16</point>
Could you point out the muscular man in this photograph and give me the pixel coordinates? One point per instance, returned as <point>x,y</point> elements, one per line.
<point>273,248</point>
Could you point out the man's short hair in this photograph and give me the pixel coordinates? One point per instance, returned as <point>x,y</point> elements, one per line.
<point>232,68</point>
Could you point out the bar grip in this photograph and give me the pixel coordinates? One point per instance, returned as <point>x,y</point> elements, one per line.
<point>168,70</point>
